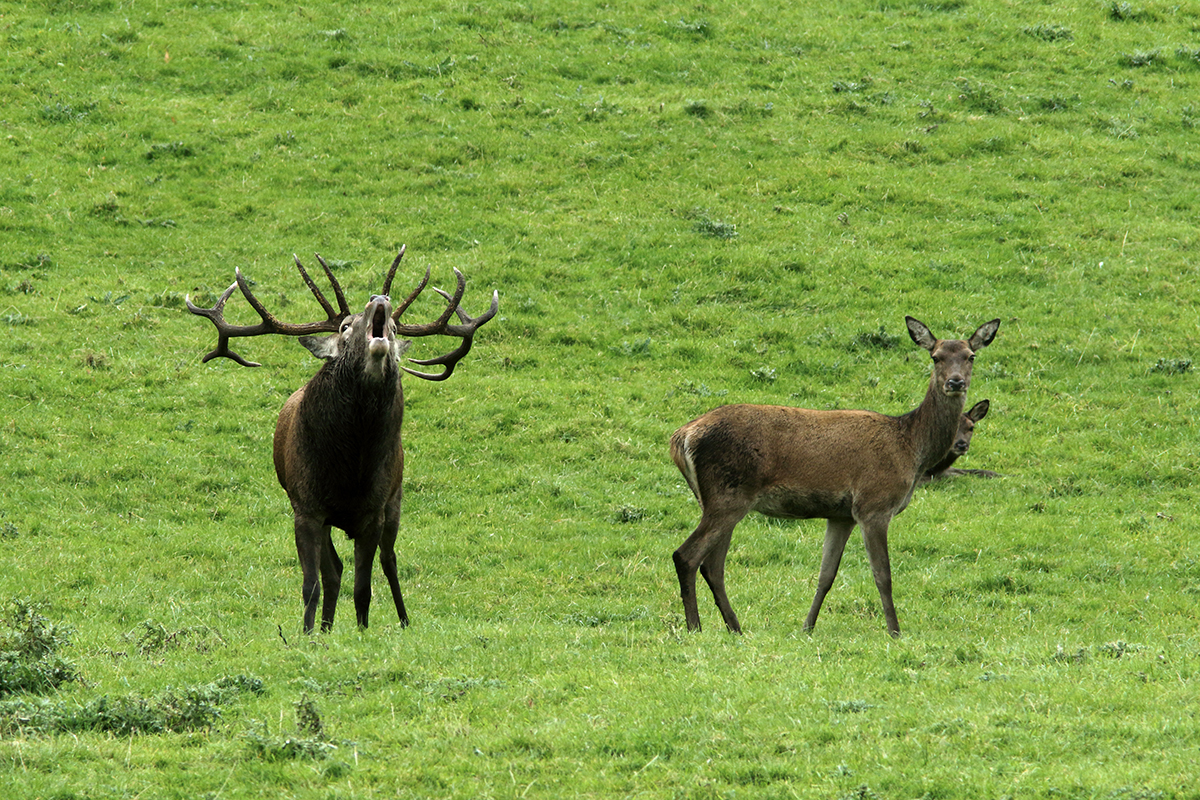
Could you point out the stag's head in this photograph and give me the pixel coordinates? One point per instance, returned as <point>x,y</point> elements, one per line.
<point>369,337</point>
<point>952,358</point>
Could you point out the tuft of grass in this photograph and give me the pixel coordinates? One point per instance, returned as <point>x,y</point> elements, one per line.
<point>170,711</point>
<point>628,514</point>
<point>30,661</point>
<point>763,374</point>
<point>1172,366</point>
<point>1120,11</point>
<point>1141,58</point>
<point>704,224</point>
<point>1049,33</point>
<point>978,96</point>
<point>698,29</point>
<point>874,340</point>
<point>58,112</point>
<point>151,637</point>
<point>169,150</point>
<point>308,743</point>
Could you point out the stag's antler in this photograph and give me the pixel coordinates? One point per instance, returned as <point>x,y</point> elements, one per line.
<point>440,326</point>
<point>270,324</point>
<point>466,332</point>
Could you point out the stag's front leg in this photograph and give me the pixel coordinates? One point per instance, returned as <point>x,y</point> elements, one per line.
<point>366,542</point>
<point>311,540</point>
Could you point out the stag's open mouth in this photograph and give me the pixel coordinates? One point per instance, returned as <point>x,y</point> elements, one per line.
<point>379,322</point>
<point>378,344</point>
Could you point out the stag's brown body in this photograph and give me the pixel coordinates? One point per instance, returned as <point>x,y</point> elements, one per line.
<point>848,467</point>
<point>338,451</point>
<point>339,456</point>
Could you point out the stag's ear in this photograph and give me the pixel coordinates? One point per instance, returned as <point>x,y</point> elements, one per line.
<point>920,334</point>
<point>978,411</point>
<point>983,337</point>
<point>324,347</point>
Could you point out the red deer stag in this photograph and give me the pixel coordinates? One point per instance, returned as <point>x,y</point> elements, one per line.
<point>962,442</point>
<point>848,467</point>
<point>338,453</point>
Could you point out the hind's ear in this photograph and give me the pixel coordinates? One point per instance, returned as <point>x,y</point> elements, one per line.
<point>920,334</point>
<point>978,411</point>
<point>983,337</point>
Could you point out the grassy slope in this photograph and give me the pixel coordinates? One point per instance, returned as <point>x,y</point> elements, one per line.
<point>954,161</point>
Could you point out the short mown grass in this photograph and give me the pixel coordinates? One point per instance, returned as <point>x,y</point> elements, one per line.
<point>681,205</point>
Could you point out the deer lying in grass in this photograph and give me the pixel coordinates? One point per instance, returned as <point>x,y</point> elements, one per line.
<point>338,453</point>
<point>848,467</point>
<point>962,442</point>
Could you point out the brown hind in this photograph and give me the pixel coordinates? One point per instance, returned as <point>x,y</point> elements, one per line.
<point>848,467</point>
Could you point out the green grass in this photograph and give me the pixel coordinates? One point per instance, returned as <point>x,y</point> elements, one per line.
<point>682,205</point>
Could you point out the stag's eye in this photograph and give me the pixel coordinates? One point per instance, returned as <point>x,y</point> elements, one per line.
<point>346,325</point>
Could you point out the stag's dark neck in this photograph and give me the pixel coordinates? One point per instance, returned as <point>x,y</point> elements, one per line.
<point>352,414</point>
<point>933,425</point>
<point>345,381</point>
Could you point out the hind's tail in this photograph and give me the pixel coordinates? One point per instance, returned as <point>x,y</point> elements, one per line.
<point>681,453</point>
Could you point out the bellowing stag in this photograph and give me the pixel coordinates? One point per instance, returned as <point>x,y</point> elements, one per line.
<point>338,452</point>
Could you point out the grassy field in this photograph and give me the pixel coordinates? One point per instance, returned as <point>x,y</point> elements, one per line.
<point>681,205</point>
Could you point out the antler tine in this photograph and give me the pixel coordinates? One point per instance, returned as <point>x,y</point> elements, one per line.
<point>400,309</point>
<point>449,360</point>
<point>387,283</point>
<point>438,325</point>
<point>269,323</point>
<point>216,315</point>
<point>466,331</point>
<point>471,324</point>
<point>337,288</point>
<point>312,287</point>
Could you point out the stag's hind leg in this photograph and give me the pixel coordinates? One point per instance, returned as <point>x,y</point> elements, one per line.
<point>705,549</point>
<point>331,579</point>
<point>837,533</point>
<point>387,560</point>
<point>319,563</point>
